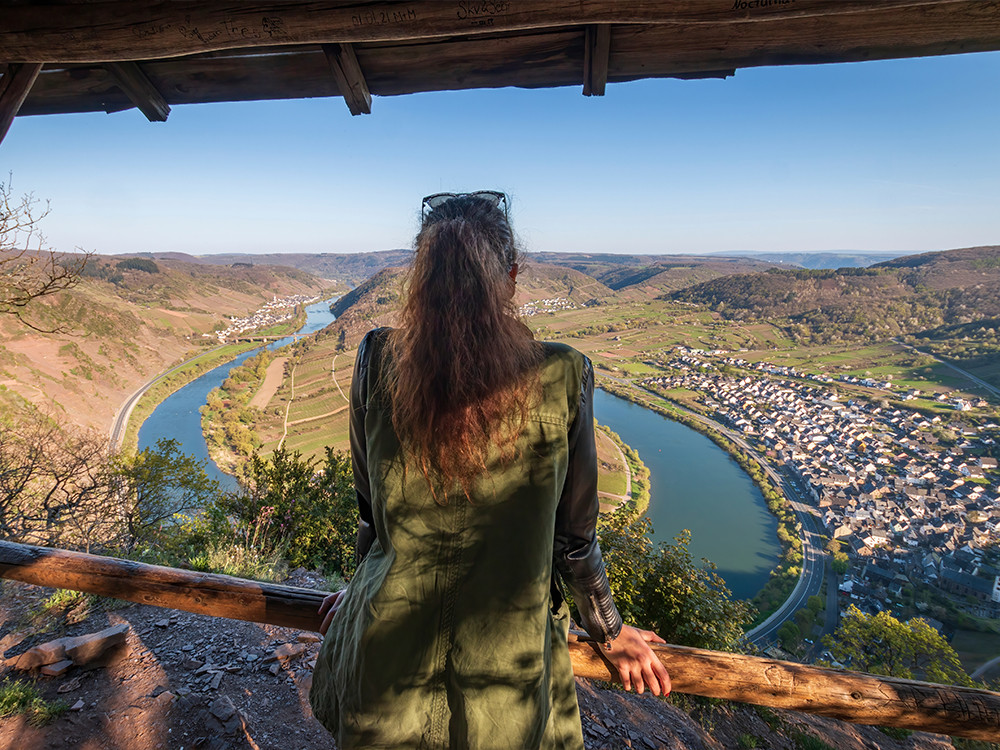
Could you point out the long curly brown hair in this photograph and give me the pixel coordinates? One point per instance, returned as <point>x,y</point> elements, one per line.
<point>463,365</point>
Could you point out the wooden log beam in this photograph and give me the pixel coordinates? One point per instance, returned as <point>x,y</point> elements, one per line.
<point>838,694</point>
<point>538,59</point>
<point>14,87</point>
<point>203,593</point>
<point>350,79</point>
<point>141,92</point>
<point>597,51</point>
<point>851,696</point>
<point>117,30</point>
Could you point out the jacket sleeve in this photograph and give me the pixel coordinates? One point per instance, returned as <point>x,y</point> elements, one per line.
<point>359,448</point>
<point>577,554</point>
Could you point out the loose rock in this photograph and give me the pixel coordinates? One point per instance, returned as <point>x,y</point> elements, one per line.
<point>58,669</point>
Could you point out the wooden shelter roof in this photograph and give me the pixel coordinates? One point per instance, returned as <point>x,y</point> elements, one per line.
<point>111,55</point>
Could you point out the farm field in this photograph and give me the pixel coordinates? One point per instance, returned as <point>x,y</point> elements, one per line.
<point>317,414</point>
<point>625,337</point>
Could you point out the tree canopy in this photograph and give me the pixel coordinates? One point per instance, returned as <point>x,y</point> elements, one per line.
<point>881,644</point>
<point>662,588</point>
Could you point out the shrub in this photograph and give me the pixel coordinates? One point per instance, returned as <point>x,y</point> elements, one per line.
<point>138,264</point>
<point>663,589</point>
<point>18,697</point>
<point>285,504</point>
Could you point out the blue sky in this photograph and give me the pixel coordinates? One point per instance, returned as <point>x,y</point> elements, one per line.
<point>900,156</point>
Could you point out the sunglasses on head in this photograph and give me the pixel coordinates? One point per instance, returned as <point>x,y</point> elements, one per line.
<point>495,197</point>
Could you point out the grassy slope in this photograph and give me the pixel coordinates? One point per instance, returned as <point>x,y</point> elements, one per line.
<point>121,332</point>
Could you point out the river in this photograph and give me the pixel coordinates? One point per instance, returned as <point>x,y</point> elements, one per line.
<point>694,484</point>
<point>178,416</point>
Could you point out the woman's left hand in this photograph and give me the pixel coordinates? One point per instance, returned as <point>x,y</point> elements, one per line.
<point>637,664</point>
<point>331,603</point>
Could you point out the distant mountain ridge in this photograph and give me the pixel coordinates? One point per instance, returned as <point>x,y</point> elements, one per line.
<point>819,260</point>
<point>617,271</point>
<point>349,268</point>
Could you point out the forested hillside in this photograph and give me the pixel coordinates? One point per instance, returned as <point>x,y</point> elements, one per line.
<point>345,269</point>
<point>900,296</point>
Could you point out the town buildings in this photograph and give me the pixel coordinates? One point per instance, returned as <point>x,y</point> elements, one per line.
<point>912,497</point>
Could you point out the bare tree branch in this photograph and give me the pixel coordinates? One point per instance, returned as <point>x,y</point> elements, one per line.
<point>29,269</point>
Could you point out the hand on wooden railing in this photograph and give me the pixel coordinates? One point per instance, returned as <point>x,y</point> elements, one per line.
<point>851,696</point>
<point>637,664</point>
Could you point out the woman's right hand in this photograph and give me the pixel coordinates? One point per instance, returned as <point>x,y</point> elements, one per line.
<point>636,663</point>
<point>331,603</point>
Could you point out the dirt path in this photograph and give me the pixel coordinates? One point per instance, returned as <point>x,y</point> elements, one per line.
<point>184,681</point>
<point>288,406</point>
<point>333,374</point>
<point>312,419</point>
<point>272,381</point>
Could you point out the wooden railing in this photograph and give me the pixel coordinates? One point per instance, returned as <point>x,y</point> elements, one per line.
<point>851,696</point>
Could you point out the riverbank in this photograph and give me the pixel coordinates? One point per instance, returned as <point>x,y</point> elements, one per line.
<point>228,420</point>
<point>637,484</point>
<point>162,387</point>
<point>787,572</point>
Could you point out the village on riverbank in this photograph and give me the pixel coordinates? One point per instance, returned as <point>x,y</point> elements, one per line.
<point>911,496</point>
<point>278,310</point>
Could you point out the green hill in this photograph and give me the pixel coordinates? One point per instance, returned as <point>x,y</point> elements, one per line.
<point>900,296</point>
<point>614,270</point>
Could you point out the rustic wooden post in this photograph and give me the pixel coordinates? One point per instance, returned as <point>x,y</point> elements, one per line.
<point>14,87</point>
<point>851,696</point>
<point>350,80</point>
<point>136,84</point>
<point>597,50</point>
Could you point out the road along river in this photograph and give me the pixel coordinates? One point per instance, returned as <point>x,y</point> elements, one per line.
<point>178,416</point>
<point>694,484</point>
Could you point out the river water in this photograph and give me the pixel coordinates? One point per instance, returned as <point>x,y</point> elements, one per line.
<point>178,416</point>
<point>694,484</point>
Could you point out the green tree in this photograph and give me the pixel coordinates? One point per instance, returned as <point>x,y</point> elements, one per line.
<point>313,509</point>
<point>154,485</point>
<point>881,644</point>
<point>789,634</point>
<point>804,618</point>
<point>840,559</point>
<point>663,589</point>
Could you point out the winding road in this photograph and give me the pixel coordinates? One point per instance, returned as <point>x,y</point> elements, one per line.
<point>121,418</point>
<point>964,373</point>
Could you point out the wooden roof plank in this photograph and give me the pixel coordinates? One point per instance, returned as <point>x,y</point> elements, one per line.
<point>14,88</point>
<point>137,87</point>
<point>534,59</point>
<point>130,30</point>
<point>350,80</point>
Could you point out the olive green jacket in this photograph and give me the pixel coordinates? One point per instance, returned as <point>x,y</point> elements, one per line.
<point>451,633</point>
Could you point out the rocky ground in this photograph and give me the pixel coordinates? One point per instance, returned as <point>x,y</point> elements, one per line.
<point>190,681</point>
